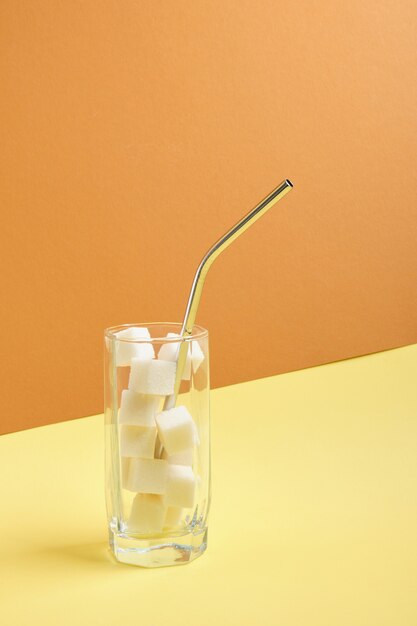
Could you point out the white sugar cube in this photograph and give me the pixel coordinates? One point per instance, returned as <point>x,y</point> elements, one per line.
<point>175,429</point>
<point>180,487</point>
<point>153,377</point>
<point>137,441</point>
<point>147,514</point>
<point>147,475</point>
<point>185,457</point>
<point>127,350</point>
<point>137,409</point>
<point>195,355</point>
<point>173,516</point>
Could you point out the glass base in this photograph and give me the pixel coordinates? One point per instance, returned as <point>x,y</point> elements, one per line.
<point>158,551</point>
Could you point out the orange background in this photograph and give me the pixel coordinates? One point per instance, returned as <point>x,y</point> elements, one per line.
<point>135,133</point>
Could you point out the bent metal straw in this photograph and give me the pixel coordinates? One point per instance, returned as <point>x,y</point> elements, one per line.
<point>201,273</point>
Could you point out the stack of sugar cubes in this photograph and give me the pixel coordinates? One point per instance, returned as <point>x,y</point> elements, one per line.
<point>156,447</point>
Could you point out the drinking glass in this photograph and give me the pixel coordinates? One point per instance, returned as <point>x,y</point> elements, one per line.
<point>157,458</point>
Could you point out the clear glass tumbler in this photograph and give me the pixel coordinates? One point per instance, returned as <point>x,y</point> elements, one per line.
<point>157,458</point>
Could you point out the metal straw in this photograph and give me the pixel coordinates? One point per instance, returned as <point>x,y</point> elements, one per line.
<point>201,273</point>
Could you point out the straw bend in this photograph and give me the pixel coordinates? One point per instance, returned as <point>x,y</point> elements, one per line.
<point>205,264</point>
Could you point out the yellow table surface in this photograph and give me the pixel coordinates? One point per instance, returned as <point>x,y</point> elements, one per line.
<point>313,522</point>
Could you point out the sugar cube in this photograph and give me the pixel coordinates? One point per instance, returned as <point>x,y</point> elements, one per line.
<point>137,409</point>
<point>195,355</point>
<point>180,487</point>
<point>185,457</point>
<point>175,429</point>
<point>147,475</point>
<point>147,514</point>
<point>127,350</point>
<point>137,441</point>
<point>153,377</point>
<point>173,516</point>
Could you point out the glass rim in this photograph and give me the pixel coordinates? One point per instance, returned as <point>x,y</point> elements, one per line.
<point>198,332</point>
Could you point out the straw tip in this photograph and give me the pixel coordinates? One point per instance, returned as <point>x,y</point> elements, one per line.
<point>289,183</point>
